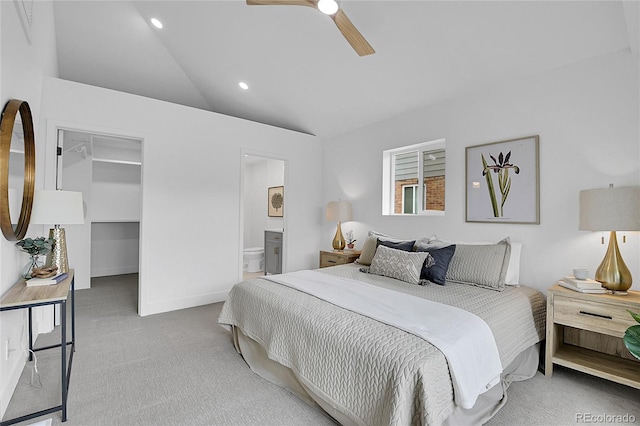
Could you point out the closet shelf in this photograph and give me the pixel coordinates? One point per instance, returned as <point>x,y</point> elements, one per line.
<point>107,160</point>
<point>118,220</point>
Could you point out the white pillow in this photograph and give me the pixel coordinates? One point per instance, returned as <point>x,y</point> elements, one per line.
<point>424,241</point>
<point>513,270</point>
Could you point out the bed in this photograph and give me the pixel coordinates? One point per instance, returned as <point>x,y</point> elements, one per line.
<point>364,370</point>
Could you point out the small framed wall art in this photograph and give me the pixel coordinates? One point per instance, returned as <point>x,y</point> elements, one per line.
<point>276,201</point>
<point>503,181</point>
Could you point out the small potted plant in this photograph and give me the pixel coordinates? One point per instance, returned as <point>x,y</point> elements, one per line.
<point>35,247</point>
<point>632,337</point>
<point>350,240</point>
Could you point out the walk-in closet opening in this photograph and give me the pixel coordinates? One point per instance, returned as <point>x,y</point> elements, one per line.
<point>107,170</point>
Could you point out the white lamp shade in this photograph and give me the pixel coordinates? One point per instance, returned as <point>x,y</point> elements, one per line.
<point>57,208</point>
<point>339,211</point>
<point>610,209</point>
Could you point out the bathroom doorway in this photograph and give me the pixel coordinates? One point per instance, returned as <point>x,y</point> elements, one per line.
<point>263,178</point>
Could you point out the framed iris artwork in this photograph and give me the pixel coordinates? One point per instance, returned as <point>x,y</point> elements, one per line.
<point>503,181</point>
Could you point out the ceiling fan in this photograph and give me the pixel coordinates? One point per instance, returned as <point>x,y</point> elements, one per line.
<point>331,8</point>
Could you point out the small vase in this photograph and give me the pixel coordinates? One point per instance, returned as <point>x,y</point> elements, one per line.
<point>34,262</point>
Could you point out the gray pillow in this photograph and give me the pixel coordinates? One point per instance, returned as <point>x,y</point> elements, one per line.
<point>368,250</point>
<point>401,265</point>
<point>480,265</point>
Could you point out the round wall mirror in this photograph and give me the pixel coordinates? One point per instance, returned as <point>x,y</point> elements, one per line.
<point>18,168</point>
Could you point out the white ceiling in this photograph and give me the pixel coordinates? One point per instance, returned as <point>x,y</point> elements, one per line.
<point>302,73</point>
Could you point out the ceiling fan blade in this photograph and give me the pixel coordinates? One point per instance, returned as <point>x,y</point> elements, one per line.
<point>310,3</point>
<point>351,33</point>
<point>344,24</point>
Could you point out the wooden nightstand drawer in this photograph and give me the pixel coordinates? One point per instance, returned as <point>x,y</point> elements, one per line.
<point>333,258</point>
<point>590,315</point>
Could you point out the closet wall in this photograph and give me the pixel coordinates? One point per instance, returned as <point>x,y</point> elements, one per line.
<point>107,170</point>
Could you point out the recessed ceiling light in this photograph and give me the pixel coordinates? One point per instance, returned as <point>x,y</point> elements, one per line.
<point>328,7</point>
<point>243,85</point>
<point>156,23</point>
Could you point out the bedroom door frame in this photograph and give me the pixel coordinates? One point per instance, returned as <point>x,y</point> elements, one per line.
<point>244,153</point>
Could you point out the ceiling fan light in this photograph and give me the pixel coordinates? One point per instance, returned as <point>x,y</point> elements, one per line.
<point>156,23</point>
<point>328,7</point>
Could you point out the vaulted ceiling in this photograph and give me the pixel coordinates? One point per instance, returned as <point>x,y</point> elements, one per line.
<point>301,72</point>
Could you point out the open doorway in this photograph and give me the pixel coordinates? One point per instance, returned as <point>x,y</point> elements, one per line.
<point>264,203</point>
<point>107,170</point>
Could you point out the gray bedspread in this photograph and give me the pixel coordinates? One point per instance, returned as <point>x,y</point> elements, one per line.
<point>374,373</point>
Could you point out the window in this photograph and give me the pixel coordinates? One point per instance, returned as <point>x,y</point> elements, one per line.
<point>404,169</point>
<point>409,199</point>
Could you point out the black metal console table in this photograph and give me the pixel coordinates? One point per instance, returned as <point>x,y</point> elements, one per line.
<point>22,297</point>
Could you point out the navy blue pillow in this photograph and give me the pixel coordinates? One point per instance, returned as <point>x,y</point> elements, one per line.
<point>398,245</point>
<point>442,257</point>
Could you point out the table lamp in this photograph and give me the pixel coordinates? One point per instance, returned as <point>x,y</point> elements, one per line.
<point>611,209</point>
<point>54,207</point>
<point>339,211</point>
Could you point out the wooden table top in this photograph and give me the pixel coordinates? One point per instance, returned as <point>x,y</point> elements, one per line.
<point>21,295</point>
<point>632,299</point>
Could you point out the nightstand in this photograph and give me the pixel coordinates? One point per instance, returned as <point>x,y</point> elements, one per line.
<point>333,258</point>
<point>584,332</point>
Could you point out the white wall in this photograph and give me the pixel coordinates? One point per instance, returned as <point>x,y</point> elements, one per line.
<point>587,116</point>
<point>115,216</point>
<point>76,176</point>
<point>191,188</point>
<point>259,177</point>
<point>115,192</point>
<point>114,248</point>
<point>22,66</point>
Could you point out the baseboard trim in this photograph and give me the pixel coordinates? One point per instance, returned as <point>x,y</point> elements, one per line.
<point>107,272</point>
<point>184,303</point>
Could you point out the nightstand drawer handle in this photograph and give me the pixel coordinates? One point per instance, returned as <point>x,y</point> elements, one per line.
<point>331,261</point>
<point>596,315</point>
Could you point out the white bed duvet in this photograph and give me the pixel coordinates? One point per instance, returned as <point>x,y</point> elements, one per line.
<point>464,338</point>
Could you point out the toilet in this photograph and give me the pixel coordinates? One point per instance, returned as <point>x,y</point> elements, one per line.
<point>253,259</point>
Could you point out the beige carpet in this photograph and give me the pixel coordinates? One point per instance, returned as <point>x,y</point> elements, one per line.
<point>180,368</point>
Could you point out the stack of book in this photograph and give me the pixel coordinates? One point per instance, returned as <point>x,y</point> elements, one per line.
<point>47,281</point>
<point>583,286</point>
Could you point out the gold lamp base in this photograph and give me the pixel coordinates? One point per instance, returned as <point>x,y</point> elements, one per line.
<point>339,242</point>
<point>58,255</point>
<point>613,272</point>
